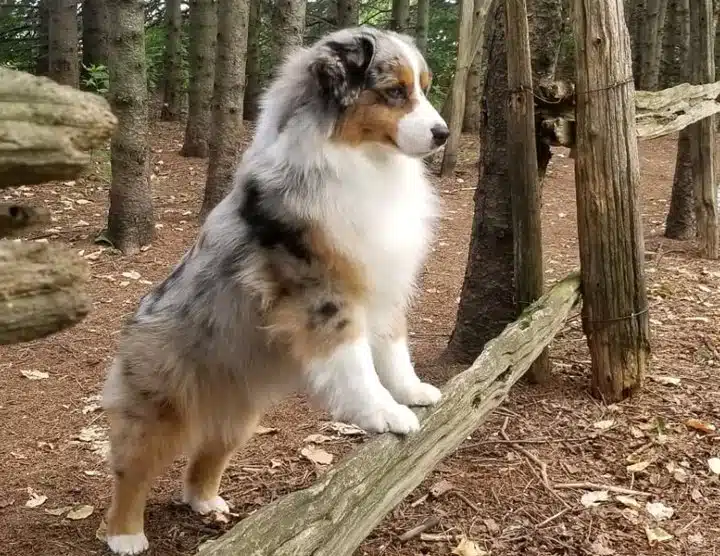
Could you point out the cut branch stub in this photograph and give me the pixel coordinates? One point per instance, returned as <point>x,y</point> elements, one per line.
<point>41,290</point>
<point>47,130</point>
<point>332,517</point>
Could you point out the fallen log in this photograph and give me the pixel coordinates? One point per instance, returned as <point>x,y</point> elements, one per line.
<point>42,290</point>
<point>332,517</point>
<point>47,130</point>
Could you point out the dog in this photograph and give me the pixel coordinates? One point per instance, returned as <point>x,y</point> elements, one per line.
<point>299,279</point>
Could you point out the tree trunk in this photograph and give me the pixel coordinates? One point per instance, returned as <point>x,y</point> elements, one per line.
<point>288,27</point>
<point>253,85</point>
<point>702,134</point>
<point>130,217</point>
<point>676,44</point>
<point>42,64</point>
<point>174,87</point>
<point>400,16</point>
<point>63,42</point>
<point>94,33</point>
<point>422,25</point>
<point>680,223</point>
<point>523,173</point>
<point>348,12</point>
<point>635,19</point>
<point>226,130</point>
<point>651,50</point>
<point>607,170</point>
<point>203,31</point>
<point>476,78</point>
<point>487,299</point>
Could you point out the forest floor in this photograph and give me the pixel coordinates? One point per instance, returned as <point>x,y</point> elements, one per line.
<point>52,434</point>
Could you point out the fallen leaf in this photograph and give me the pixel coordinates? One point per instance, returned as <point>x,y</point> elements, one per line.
<point>659,511</point>
<point>101,531</point>
<point>636,432</point>
<point>666,380</point>
<point>600,547</point>
<point>260,430</point>
<point>133,275</point>
<point>696,495</point>
<point>80,512</point>
<point>637,467</point>
<point>58,511</point>
<point>604,425</point>
<point>317,438</point>
<point>696,538</point>
<point>275,463</point>
<point>628,501</point>
<point>680,475</point>
<point>82,201</point>
<point>468,548</point>
<point>317,455</point>
<point>440,488</point>
<point>656,535</point>
<point>35,499</point>
<point>35,375</point>
<point>631,515</point>
<point>491,525</point>
<point>594,498</point>
<point>714,465</point>
<point>92,473</point>
<point>699,425</point>
<point>345,429</point>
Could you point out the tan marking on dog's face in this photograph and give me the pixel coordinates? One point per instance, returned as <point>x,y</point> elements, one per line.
<point>375,115</point>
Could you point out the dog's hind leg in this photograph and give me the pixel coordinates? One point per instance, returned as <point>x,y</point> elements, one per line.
<point>207,464</point>
<point>139,449</point>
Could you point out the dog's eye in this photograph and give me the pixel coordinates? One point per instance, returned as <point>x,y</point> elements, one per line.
<point>396,93</point>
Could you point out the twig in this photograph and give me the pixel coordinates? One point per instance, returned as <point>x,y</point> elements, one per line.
<point>438,537</point>
<point>552,518</point>
<point>524,441</point>
<point>465,499</point>
<point>429,523</point>
<point>609,488</point>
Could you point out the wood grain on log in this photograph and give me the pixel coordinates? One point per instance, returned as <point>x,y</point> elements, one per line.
<point>47,130</point>
<point>41,290</point>
<point>332,517</point>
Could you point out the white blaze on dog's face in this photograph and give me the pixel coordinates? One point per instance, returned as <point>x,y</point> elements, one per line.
<point>393,108</point>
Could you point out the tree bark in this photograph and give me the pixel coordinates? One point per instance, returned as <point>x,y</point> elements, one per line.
<point>49,130</point>
<point>130,217</point>
<point>476,77</point>
<point>653,27</point>
<point>63,42</point>
<point>42,64</point>
<point>680,223</point>
<point>333,516</point>
<point>253,69</point>
<point>422,25</point>
<point>348,12</point>
<point>227,104</point>
<point>676,44</point>
<point>203,32</point>
<point>635,19</point>
<point>174,88</point>
<point>94,33</point>
<point>288,27</point>
<point>400,16</point>
<point>607,170</point>
<point>523,172</point>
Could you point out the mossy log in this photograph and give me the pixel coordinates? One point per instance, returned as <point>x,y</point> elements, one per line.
<point>657,113</point>
<point>42,290</point>
<point>47,130</point>
<point>332,517</point>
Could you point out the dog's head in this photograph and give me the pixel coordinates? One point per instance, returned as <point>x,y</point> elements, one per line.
<point>374,84</point>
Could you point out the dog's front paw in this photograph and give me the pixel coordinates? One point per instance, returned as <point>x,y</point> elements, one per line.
<point>392,417</point>
<point>420,393</point>
<point>216,504</point>
<point>128,544</point>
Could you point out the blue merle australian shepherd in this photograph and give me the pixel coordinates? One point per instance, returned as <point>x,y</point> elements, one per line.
<point>298,280</point>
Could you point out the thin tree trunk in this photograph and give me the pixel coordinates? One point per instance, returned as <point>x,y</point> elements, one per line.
<point>63,42</point>
<point>203,32</point>
<point>130,217</point>
<point>635,19</point>
<point>607,170</point>
<point>227,119</point>
<point>653,26</point>
<point>680,223</point>
<point>422,25</point>
<point>523,172</point>
<point>94,33</point>
<point>348,12</point>
<point>173,96</point>
<point>476,78</point>
<point>253,85</point>
<point>676,44</point>
<point>288,27</point>
<point>702,134</point>
<point>400,16</point>
<point>42,64</point>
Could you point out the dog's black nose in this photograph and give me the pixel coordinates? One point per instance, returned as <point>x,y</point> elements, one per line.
<point>440,134</point>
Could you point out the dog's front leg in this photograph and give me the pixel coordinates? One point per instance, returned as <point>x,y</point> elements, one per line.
<point>346,384</point>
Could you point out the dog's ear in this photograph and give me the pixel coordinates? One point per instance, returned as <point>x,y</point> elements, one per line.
<point>341,69</point>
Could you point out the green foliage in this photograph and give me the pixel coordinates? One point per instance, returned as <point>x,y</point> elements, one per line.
<point>96,78</point>
<point>155,37</point>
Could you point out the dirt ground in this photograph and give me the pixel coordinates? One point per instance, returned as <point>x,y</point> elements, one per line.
<point>52,433</point>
